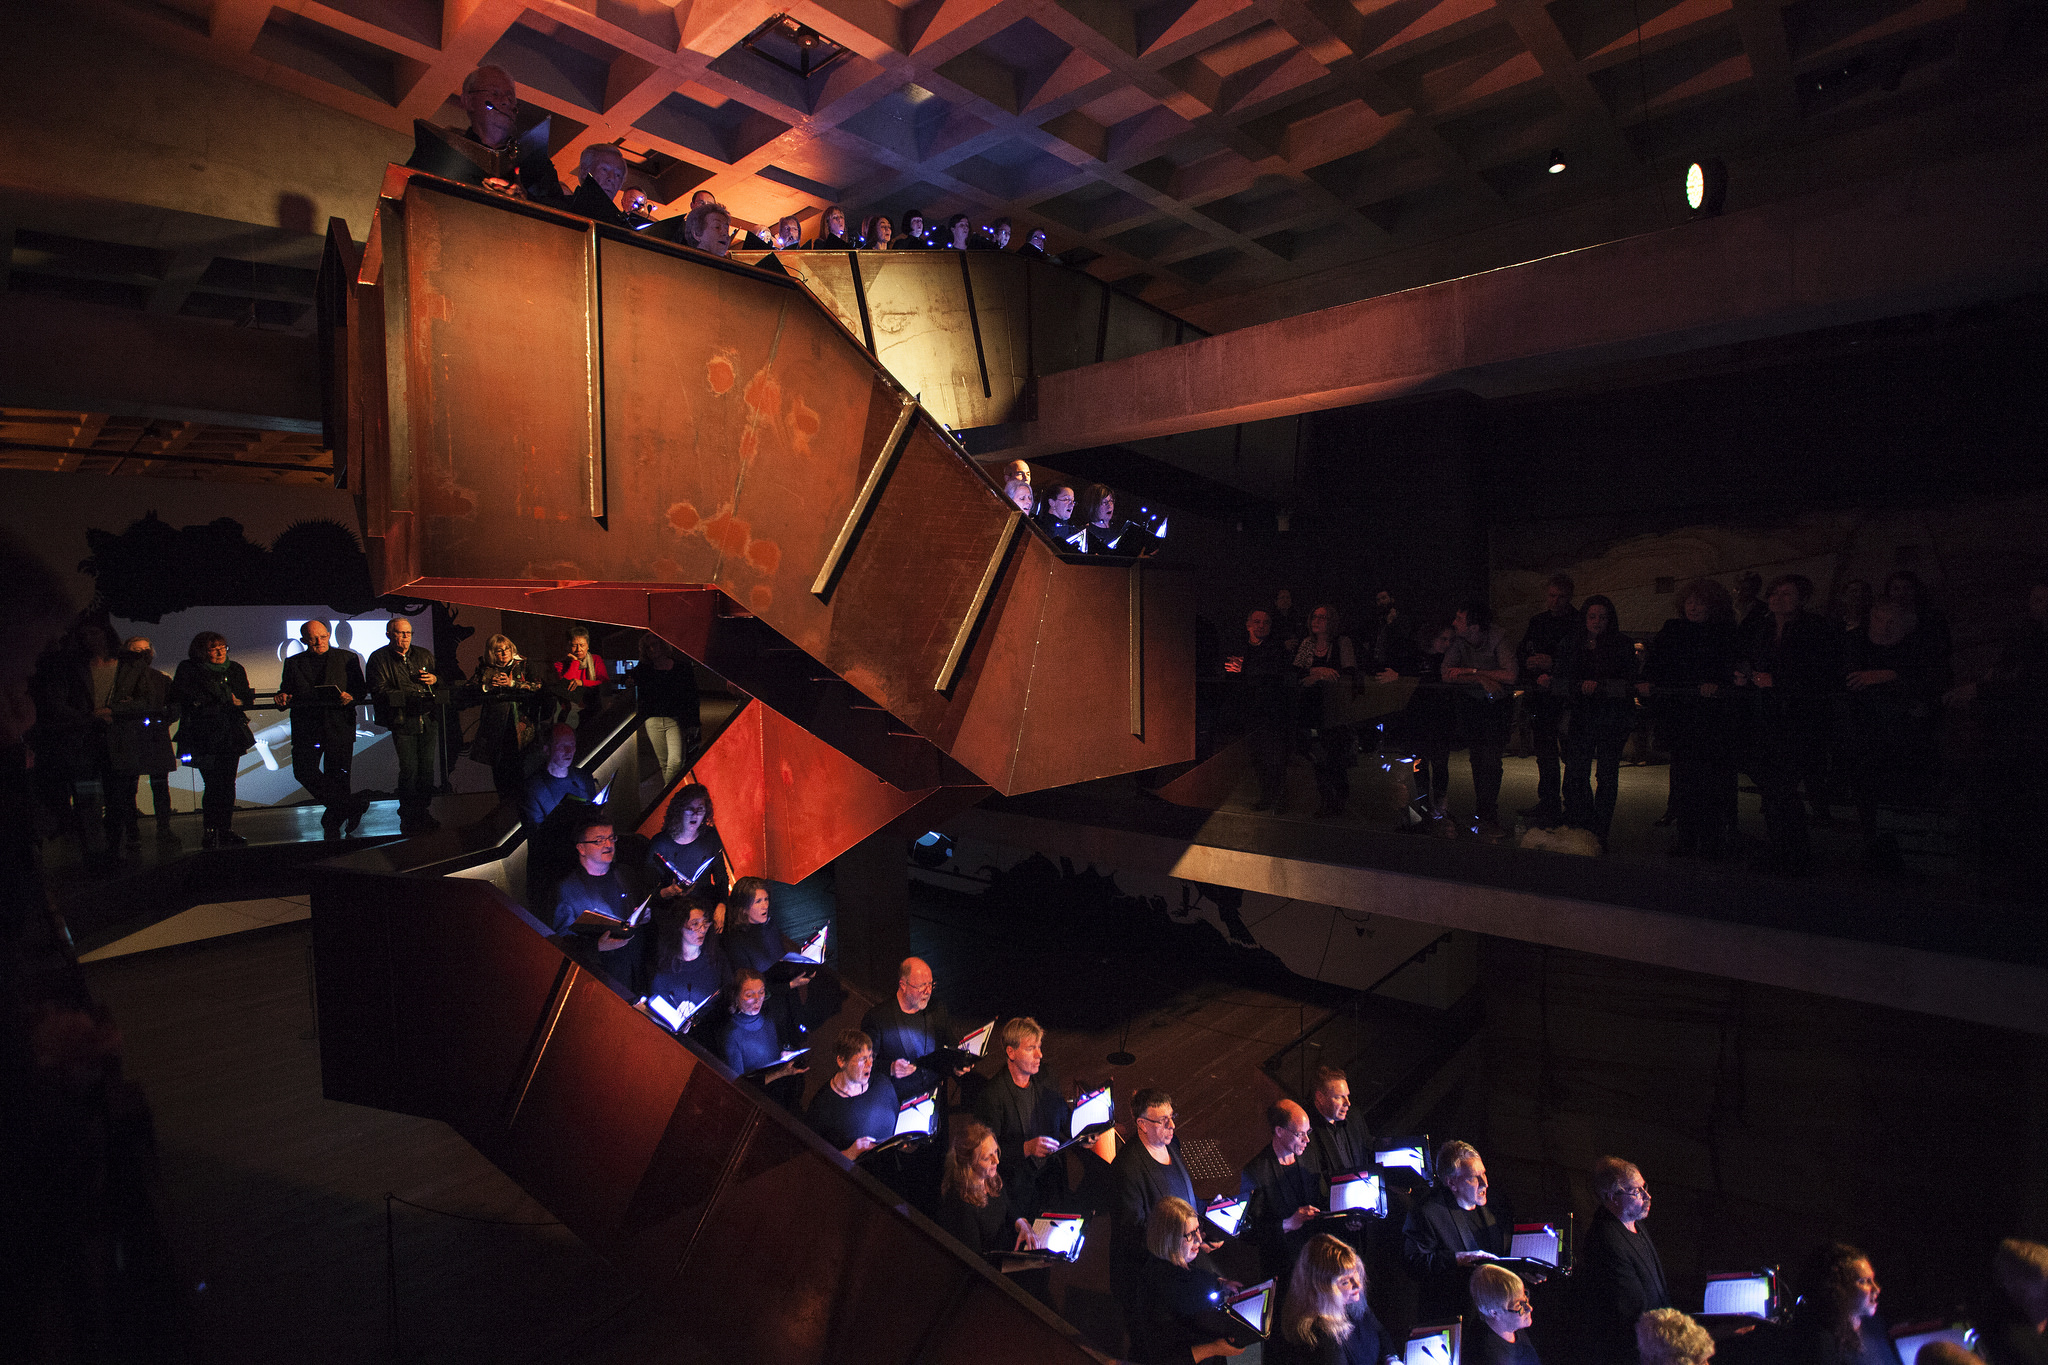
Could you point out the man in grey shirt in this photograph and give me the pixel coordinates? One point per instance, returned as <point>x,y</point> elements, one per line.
<point>1481,664</point>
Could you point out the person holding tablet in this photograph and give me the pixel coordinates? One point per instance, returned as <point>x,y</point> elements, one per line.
<point>1024,1111</point>
<point>1144,1172</point>
<point>1326,1320</point>
<point>974,1203</point>
<point>1450,1230</point>
<point>1501,1336</point>
<point>1179,1293</point>
<point>851,1113</point>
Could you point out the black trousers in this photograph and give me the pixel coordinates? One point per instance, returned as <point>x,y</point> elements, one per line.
<point>1546,716</point>
<point>122,812</point>
<point>1269,760</point>
<point>217,803</point>
<point>415,768</point>
<point>321,764</point>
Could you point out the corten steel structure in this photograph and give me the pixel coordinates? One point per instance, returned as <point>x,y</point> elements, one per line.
<point>545,414</point>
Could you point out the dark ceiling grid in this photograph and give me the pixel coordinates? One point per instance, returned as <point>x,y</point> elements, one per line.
<point>1191,148</point>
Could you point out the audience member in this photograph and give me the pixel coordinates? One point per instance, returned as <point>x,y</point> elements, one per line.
<point>688,858</point>
<point>665,693</point>
<point>1790,669</point>
<point>1325,1317</point>
<point>1176,1292</point>
<point>1481,664</point>
<point>1325,659</point>
<point>1905,591</point>
<point>1836,1321</point>
<point>2009,790</point>
<point>1263,706</point>
<point>321,688</point>
<point>1853,611</point>
<point>139,745</point>
<point>1620,1276</point>
<point>832,231</point>
<point>1750,607</point>
<point>709,228</point>
<point>1285,1192</point>
<point>1024,1111</point>
<point>1450,1230</point>
<point>2014,1330</point>
<point>583,678</point>
<point>1691,665</point>
<point>1501,1336</point>
<point>210,691</point>
<point>1286,621</point>
<point>847,1111</point>
<point>405,699</point>
<point>1595,675</point>
<point>974,1200</point>
<point>510,692</point>
<point>992,236</point>
<point>1665,1336</point>
<point>1537,656</point>
<point>1144,1172</point>
<point>1896,675</point>
<point>69,687</point>
<point>1429,722</point>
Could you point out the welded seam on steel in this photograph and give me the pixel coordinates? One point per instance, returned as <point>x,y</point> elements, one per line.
<point>564,984</point>
<point>878,474</point>
<point>979,605</point>
<point>1136,665</point>
<point>593,361</point>
<point>397,354</point>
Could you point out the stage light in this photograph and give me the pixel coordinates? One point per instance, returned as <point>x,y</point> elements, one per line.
<point>1706,182</point>
<point>1556,162</point>
<point>931,849</point>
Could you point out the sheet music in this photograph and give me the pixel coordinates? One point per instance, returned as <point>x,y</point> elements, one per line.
<point>1438,1346</point>
<point>813,951</point>
<point>976,1043</point>
<point>1358,1190</point>
<point>1253,1307</point>
<point>1094,1107</point>
<point>1227,1212</point>
<point>1742,1295</point>
<point>1407,1158</point>
<point>917,1116</point>
<point>1539,1244</point>
<point>678,1014</point>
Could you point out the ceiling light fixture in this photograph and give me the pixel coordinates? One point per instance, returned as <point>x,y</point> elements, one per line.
<point>1706,182</point>
<point>796,49</point>
<point>1556,162</point>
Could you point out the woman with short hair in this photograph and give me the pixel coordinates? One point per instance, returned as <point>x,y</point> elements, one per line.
<point>210,690</point>
<point>1665,1336</point>
<point>583,677</point>
<point>1326,1316</point>
<point>709,228</point>
<point>911,236</point>
<point>851,1112</point>
<point>1501,1336</point>
<point>1179,1293</point>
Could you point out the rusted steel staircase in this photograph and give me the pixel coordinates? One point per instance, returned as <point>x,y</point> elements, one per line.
<point>546,414</point>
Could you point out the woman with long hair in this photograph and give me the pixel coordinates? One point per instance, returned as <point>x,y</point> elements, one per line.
<point>684,965</point>
<point>875,232</point>
<point>972,1203</point>
<point>832,231</point>
<point>1326,1315</point>
<point>210,690</point>
<point>510,691</point>
<point>688,855</point>
<point>1836,1322</point>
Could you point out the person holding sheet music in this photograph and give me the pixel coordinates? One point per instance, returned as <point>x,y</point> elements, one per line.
<point>1179,1292</point>
<point>687,858</point>
<point>684,966</point>
<point>851,1112</point>
<point>1284,1193</point>
<point>1501,1336</point>
<point>1326,1320</point>
<point>593,901</point>
<point>974,1202</point>
<point>755,1045</point>
<point>1450,1230</point>
<point>1620,1276</point>
<point>1024,1111</point>
<point>910,1026</point>
<point>1144,1172</point>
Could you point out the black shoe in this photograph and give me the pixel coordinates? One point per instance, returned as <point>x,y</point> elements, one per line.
<point>210,839</point>
<point>229,839</point>
<point>354,819</point>
<point>167,841</point>
<point>328,831</point>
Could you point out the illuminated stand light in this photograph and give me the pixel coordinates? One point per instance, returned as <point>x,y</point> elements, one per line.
<point>1556,162</point>
<point>1706,184</point>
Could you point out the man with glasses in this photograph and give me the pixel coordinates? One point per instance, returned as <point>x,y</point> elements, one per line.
<point>1145,1172</point>
<point>1284,1189</point>
<point>1620,1275</point>
<point>1451,1230</point>
<point>321,687</point>
<point>488,152</point>
<point>404,694</point>
<point>595,885</point>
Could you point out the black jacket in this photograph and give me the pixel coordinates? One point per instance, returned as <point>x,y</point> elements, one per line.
<point>139,740</point>
<point>1016,1116</point>
<point>211,724</point>
<point>1620,1277</point>
<point>321,722</point>
<point>505,705</point>
<point>399,701</point>
<point>1437,1230</point>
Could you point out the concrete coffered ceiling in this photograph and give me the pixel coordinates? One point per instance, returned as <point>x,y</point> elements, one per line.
<point>1198,151</point>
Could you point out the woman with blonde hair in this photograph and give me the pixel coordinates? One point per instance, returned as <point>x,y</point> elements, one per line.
<point>511,690</point>
<point>1665,1336</point>
<point>1501,1336</point>
<point>1326,1315</point>
<point>1174,1321</point>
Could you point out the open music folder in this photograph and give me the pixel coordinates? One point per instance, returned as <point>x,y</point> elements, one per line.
<point>1226,1213</point>
<point>809,957</point>
<point>678,1015</point>
<point>1094,1111</point>
<point>966,1052</point>
<point>594,920</point>
<point>1434,1345</point>
<point>1356,1193</point>
<point>1247,1316</point>
<point>1058,1237</point>
<point>917,1118</point>
<point>1742,1294</point>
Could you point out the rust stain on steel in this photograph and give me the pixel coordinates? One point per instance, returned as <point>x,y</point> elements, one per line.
<point>684,518</point>
<point>718,373</point>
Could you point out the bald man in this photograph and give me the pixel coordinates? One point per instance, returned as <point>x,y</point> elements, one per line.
<point>321,687</point>
<point>1285,1190</point>
<point>908,1025</point>
<point>488,152</point>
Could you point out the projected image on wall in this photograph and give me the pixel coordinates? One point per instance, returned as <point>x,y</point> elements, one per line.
<point>260,639</point>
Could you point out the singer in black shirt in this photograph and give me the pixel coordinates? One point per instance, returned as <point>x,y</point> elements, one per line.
<point>1620,1276</point>
<point>1447,1232</point>
<point>1022,1107</point>
<point>910,1025</point>
<point>850,1112</point>
<point>1284,1191</point>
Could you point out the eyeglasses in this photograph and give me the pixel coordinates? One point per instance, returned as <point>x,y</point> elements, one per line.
<point>1192,1235</point>
<point>1520,1306</point>
<point>1166,1122</point>
<point>605,842</point>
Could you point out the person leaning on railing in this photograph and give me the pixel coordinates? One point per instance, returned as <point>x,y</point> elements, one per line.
<point>509,691</point>
<point>210,690</point>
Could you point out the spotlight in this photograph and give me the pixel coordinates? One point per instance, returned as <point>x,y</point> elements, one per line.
<point>931,849</point>
<point>1556,162</point>
<point>1706,182</point>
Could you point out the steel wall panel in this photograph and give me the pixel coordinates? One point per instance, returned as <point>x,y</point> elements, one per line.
<point>917,303</point>
<point>352,990</point>
<point>1066,314</point>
